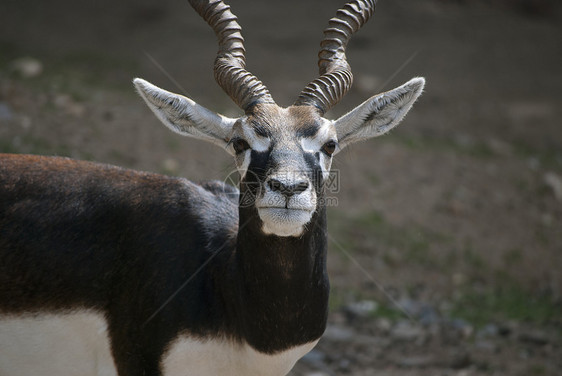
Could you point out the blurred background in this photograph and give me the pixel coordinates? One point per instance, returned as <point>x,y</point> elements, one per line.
<point>446,240</point>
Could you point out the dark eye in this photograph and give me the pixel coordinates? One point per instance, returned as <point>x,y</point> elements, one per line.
<point>329,148</point>
<point>240,145</point>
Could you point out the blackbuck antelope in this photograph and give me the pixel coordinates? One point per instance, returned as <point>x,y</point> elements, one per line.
<point>108,271</point>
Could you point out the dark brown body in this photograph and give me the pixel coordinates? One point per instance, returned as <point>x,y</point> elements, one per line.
<point>81,235</point>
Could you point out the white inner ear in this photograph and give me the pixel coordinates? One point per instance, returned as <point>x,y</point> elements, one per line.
<point>182,115</point>
<point>378,114</point>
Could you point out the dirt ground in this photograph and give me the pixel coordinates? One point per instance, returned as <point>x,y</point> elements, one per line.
<point>446,239</point>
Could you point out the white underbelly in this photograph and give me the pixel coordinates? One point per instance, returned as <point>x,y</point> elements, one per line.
<point>189,356</point>
<point>77,344</point>
<point>55,345</point>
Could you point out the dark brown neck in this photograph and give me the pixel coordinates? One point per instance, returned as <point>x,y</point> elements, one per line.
<point>283,283</point>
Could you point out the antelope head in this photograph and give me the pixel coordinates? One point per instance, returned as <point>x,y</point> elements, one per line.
<point>283,154</point>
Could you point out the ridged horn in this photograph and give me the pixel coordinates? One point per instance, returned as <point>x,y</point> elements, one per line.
<point>245,89</point>
<point>335,73</point>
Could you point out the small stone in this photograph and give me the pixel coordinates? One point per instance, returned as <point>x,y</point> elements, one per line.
<point>464,140</point>
<point>547,220</point>
<point>490,330</point>
<point>384,325</point>
<point>499,147</point>
<point>5,111</point>
<point>362,309</point>
<point>533,163</point>
<point>412,307</point>
<point>554,182</point>
<point>27,67</point>
<point>406,331</point>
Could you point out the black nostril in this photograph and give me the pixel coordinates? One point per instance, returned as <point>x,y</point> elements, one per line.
<point>300,187</point>
<point>275,185</point>
<point>287,190</point>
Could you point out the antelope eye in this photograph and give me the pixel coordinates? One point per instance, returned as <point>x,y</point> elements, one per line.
<point>329,148</point>
<point>240,145</point>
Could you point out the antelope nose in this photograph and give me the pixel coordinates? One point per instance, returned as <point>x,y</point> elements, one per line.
<point>287,190</point>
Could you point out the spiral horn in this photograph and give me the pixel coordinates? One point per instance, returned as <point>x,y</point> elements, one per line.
<point>335,73</point>
<point>245,89</point>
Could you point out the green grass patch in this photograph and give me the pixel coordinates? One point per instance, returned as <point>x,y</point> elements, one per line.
<point>507,303</point>
<point>414,243</point>
<point>549,156</point>
<point>389,312</point>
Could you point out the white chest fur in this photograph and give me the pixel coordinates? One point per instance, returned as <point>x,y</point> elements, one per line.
<point>188,356</point>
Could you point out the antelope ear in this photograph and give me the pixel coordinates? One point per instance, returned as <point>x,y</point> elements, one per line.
<point>184,116</point>
<point>378,114</point>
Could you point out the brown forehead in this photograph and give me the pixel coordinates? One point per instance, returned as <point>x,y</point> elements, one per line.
<point>302,120</point>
